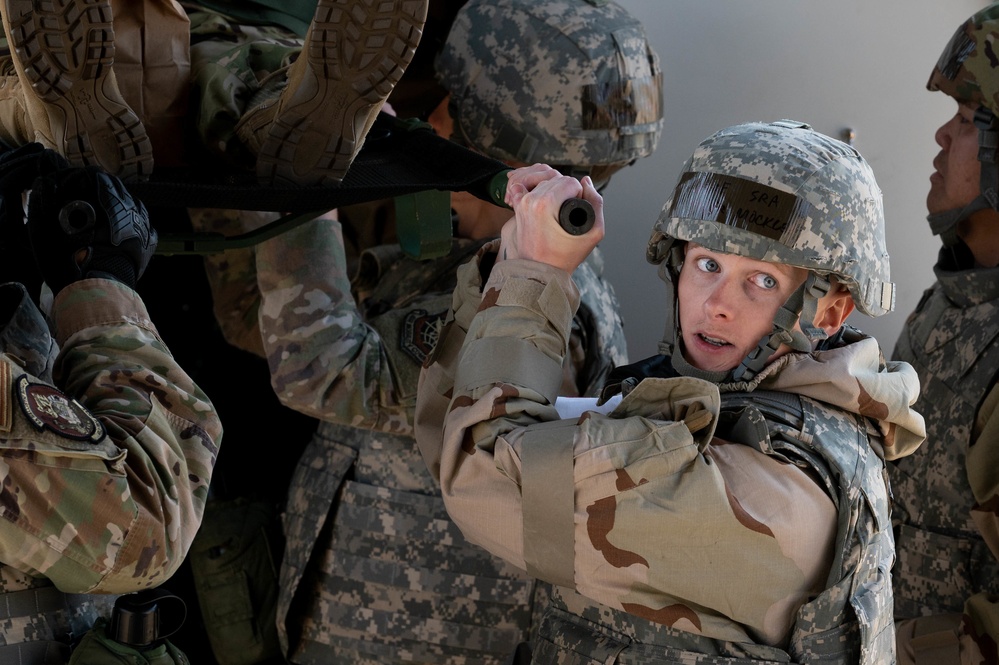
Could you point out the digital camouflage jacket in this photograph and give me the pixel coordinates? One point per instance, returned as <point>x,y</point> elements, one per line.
<point>947,494</point>
<point>775,550</point>
<point>108,450</point>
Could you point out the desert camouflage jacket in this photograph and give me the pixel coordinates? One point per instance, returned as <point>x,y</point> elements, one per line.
<point>658,517</point>
<point>947,494</point>
<point>107,452</point>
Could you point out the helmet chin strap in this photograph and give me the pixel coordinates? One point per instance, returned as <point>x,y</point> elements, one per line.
<point>799,308</point>
<point>944,224</point>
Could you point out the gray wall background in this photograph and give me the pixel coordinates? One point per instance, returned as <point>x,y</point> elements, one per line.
<point>860,64</point>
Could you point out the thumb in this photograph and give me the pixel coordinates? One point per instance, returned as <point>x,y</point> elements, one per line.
<point>508,241</point>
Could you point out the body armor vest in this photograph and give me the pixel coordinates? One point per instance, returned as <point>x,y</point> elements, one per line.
<point>373,550</point>
<point>849,622</point>
<point>41,623</point>
<point>952,340</point>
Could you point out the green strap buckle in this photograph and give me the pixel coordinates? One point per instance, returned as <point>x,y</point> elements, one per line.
<point>423,223</point>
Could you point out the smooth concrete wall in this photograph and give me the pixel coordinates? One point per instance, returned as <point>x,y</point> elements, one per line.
<point>860,64</point>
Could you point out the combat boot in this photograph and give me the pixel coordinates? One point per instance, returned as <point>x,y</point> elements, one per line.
<point>14,127</point>
<point>63,52</point>
<point>354,54</point>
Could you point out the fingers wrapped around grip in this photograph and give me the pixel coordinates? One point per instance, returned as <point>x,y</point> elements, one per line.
<point>83,223</point>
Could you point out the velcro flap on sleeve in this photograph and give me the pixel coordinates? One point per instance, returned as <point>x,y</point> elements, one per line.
<point>549,501</point>
<point>547,299</point>
<point>507,360</point>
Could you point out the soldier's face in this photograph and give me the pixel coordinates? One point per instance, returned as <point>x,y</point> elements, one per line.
<point>955,180</point>
<point>728,303</point>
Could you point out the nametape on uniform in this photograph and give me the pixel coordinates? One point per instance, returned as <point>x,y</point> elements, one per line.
<point>49,408</point>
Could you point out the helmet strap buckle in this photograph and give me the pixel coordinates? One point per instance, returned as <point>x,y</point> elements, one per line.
<point>988,142</point>
<point>800,308</point>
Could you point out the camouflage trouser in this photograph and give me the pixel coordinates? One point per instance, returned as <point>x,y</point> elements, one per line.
<point>234,68</point>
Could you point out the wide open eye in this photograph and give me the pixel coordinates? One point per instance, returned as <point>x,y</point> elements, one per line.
<point>707,264</point>
<point>764,281</point>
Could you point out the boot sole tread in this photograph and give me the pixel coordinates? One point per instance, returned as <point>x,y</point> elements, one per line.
<point>356,53</point>
<point>66,49</point>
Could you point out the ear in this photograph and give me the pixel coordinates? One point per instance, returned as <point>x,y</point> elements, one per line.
<point>833,309</point>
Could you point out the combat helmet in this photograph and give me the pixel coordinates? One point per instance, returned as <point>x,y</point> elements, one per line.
<point>570,83</point>
<point>782,193</point>
<point>968,71</point>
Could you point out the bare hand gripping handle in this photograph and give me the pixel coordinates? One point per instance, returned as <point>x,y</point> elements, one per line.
<point>576,215</point>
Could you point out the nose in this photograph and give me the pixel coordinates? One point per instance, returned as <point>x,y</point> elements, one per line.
<point>943,135</point>
<point>722,298</point>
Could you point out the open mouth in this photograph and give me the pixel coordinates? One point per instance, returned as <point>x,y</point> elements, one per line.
<point>713,341</point>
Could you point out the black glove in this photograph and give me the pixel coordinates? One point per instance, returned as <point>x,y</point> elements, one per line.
<point>18,169</point>
<point>84,223</point>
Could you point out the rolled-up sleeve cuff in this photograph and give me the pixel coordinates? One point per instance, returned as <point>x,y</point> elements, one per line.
<point>97,302</point>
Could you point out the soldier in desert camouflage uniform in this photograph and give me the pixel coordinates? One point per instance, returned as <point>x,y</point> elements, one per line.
<point>946,577</point>
<point>733,507</point>
<point>108,446</point>
<point>376,570</point>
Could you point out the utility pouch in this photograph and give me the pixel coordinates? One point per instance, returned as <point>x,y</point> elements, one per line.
<point>235,577</point>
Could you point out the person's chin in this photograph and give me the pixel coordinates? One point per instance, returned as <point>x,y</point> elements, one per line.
<point>710,360</point>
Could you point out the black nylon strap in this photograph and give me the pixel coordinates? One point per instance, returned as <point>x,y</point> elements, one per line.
<point>31,601</point>
<point>26,603</point>
<point>40,653</point>
<point>398,157</point>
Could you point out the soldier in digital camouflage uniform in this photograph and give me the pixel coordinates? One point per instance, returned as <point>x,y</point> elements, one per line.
<point>946,577</point>
<point>374,571</point>
<point>733,507</point>
<point>108,446</point>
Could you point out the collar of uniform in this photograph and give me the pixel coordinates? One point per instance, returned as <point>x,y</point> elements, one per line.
<point>965,287</point>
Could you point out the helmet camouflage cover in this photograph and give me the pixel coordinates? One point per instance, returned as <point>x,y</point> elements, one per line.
<point>564,82</point>
<point>968,68</point>
<point>783,193</point>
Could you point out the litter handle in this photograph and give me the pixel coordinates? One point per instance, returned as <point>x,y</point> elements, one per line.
<point>576,216</point>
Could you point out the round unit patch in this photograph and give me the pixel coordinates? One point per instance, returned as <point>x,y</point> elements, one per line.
<point>49,408</point>
<point>419,333</point>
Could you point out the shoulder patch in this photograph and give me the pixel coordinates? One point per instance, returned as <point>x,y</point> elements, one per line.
<point>49,408</point>
<point>419,333</point>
